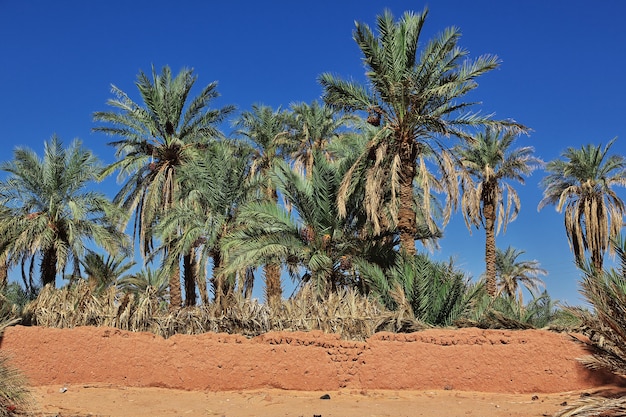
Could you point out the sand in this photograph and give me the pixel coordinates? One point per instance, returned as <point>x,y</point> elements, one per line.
<point>466,372</point>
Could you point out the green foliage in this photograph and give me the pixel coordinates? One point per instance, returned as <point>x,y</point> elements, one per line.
<point>504,312</point>
<point>155,139</point>
<point>414,97</point>
<point>309,236</point>
<point>146,281</point>
<point>48,213</point>
<point>102,271</point>
<point>437,293</point>
<point>512,273</point>
<point>13,299</point>
<point>606,326</point>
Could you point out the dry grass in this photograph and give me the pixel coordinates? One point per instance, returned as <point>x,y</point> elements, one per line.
<point>14,396</point>
<point>347,313</point>
<point>595,407</point>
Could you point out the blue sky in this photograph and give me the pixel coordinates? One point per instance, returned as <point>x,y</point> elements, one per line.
<point>562,75</point>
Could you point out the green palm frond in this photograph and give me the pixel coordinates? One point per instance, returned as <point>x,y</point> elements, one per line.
<point>417,98</point>
<point>48,212</point>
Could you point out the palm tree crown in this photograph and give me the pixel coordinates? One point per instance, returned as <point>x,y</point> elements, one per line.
<point>413,98</point>
<point>513,272</point>
<point>582,184</point>
<point>49,214</point>
<point>313,127</point>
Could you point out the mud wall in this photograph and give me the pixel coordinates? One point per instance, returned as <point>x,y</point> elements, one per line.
<point>466,359</point>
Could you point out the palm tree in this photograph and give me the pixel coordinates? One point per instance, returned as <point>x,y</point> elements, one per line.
<point>437,292</point>
<point>313,127</point>
<point>488,200</point>
<point>144,280</point>
<point>413,100</point>
<point>215,186</point>
<point>158,138</point>
<point>511,273</point>
<point>267,131</point>
<point>582,184</point>
<point>102,271</point>
<point>50,214</point>
<point>315,243</point>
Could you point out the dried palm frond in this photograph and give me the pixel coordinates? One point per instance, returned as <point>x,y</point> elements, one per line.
<point>14,396</point>
<point>595,407</point>
<point>345,312</point>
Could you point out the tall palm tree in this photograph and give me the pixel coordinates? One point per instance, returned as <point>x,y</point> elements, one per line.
<point>50,215</point>
<point>582,184</point>
<point>488,200</point>
<point>414,99</point>
<point>157,138</point>
<point>215,186</point>
<point>513,272</point>
<point>267,131</point>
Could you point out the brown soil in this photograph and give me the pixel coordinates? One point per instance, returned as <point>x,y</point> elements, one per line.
<point>105,371</point>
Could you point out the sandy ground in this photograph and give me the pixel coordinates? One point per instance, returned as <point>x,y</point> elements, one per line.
<point>468,372</point>
<point>99,400</point>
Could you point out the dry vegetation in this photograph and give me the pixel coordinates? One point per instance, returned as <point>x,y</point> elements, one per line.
<point>347,313</point>
<point>14,395</point>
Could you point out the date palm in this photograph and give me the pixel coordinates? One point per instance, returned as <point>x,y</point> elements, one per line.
<point>158,137</point>
<point>415,99</point>
<point>267,131</point>
<point>489,201</point>
<point>513,274</point>
<point>214,187</point>
<point>102,271</point>
<point>50,215</point>
<point>143,281</point>
<point>582,184</point>
<point>313,127</point>
<point>315,243</point>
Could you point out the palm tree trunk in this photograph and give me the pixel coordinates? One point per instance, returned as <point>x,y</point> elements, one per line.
<point>189,273</point>
<point>489,211</point>
<point>4,274</point>
<point>273,284</point>
<point>248,283</point>
<point>406,214</point>
<point>220,286</point>
<point>202,287</point>
<point>176,297</point>
<point>49,267</point>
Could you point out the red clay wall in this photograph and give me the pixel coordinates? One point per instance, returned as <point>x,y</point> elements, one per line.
<point>466,359</point>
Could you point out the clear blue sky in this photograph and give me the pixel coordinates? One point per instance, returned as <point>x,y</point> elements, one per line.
<point>562,75</point>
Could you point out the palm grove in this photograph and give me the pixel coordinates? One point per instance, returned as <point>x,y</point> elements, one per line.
<point>336,193</point>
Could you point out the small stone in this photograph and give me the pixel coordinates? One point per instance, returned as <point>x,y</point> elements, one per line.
<point>325,397</point>
<point>563,404</point>
<point>62,390</point>
<point>535,398</point>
